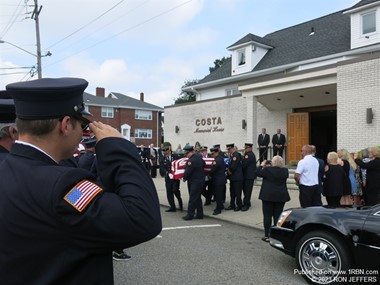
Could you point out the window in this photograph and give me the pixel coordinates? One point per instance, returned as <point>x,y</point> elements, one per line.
<point>143,133</point>
<point>143,115</point>
<point>232,91</point>
<point>369,23</point>
<point>241,57</point>
<point>107,112</point>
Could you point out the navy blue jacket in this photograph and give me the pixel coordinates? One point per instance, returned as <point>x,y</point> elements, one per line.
<point>249,166</point>
<point>55,242</point>
<point>217,172</point>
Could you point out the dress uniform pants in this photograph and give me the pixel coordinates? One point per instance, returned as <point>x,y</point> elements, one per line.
<point>235,193</point>
<point>172,189</point>
<point>195,200</point>
<point>219,194</point>
<point>247,190</point>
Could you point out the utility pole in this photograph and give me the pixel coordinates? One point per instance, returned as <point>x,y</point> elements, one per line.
<point>35,16</point>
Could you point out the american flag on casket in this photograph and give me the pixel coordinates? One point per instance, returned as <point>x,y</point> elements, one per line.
<point>179,165</point>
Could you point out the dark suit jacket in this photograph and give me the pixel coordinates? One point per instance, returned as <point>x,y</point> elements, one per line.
<point>263,141</point>
<point>276,140</point>
<point>73,247</point>
<point>217,172</point>
<point>235,170</point>
<point>249,165</point>
<point>372,190</point>
<point>273,188</point>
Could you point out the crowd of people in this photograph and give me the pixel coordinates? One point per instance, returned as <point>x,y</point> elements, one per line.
<point>56,210</point>
<point>344,180</point>
<point>86,206</point>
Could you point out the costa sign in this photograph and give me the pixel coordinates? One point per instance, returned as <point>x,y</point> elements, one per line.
<point>208,121</point>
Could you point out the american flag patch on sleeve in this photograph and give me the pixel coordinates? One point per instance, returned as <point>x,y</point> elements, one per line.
<point>82,194</point>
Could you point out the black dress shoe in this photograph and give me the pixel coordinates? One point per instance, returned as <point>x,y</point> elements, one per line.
<point>198,217</point>
<point>187,218</point>
<point>237,209</point>
<point>216,212</point>
<point>244,208</point>
<point>229,208</point>
<point>170,210</point>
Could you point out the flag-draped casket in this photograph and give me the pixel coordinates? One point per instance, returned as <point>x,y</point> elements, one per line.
<point>179,165</point>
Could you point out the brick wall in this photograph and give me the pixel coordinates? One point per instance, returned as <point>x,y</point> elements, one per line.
<point>358,88</point>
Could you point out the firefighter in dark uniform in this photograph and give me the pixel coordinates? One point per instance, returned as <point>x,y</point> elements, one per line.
<point>55,222</point>
<point>249,174</point>
<point>8,131</point>
<point>171,185</point>
<point>235,175</point>
<point>218,179</point>
<point>87,160</point>
<point>226,159</point>
<point>195,177</point>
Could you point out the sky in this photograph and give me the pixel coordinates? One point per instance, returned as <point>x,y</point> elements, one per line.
<point>134,46</point>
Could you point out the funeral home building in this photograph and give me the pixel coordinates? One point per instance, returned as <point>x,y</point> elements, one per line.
<point>318,81</point>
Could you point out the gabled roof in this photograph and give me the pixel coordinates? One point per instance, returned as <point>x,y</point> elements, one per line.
<point>252,38</point>
<point>295,44</point>
<point>118,100</point>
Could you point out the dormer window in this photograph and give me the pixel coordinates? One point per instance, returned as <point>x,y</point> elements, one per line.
<point>369,23</point>
<point>241,57</point>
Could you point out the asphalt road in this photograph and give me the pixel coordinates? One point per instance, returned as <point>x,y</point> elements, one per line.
<point>205,252</point>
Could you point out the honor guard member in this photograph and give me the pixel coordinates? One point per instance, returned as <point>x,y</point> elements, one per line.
<point>8,131</point>
<point>171,185</point>
<point>249,175</point>
<point>207,190</point>
<point>218,179</point>
<point>88,159</point>
<point>55,222</point>
<point>226,160</point>
<point>235,175</point>
<point>195,177</point>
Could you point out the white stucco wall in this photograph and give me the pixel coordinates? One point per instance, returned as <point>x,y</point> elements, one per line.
<point>358,88</point>
<point>210,122</point>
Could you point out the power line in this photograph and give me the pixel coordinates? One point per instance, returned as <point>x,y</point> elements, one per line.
<point>126,30</point>
<point>12,20</point>
<point>102,27</point>
<point>89,23</point>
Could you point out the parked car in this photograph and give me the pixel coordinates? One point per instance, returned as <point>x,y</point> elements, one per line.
<point>331,245</point>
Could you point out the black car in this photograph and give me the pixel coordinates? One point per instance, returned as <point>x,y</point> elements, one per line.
<point>331,245</point>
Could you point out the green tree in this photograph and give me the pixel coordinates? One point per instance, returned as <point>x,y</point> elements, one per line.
<point>187,96</point>
<point>218,63</point>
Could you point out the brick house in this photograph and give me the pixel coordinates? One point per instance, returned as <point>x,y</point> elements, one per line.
<point>137,120</point>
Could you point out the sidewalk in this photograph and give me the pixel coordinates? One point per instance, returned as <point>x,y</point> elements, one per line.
<point>251,218</point>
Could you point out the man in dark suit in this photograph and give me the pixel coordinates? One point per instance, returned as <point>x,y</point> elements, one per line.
<point>249,174</point>
<point>195,177</point>
<point>218,179</point>
<point>235,175</point>
<point>263,142</point>
<point>278,141</point>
